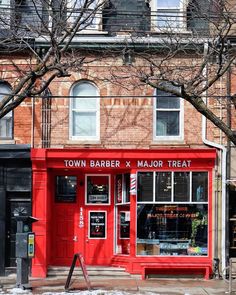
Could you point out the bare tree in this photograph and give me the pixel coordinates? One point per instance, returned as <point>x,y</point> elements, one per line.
<point>186,55</point>
<point>189,54</point>
<point>54,23</point>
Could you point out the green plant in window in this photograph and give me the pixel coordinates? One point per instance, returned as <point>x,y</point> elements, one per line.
<point>200,220</point>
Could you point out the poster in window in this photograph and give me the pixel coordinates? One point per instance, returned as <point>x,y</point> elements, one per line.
<point>97,224</point>
<point>119,188</point>
<point>98,189</point>
<point>124,225</point>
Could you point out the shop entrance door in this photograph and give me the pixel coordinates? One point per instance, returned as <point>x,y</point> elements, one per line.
<point>98,230</point>
<point>82,225</point>
<point>64,236</point>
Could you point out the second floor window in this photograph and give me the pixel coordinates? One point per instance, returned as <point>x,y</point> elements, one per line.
<point>6,122</point>
<point>167,116</point>
<point>85,105</point>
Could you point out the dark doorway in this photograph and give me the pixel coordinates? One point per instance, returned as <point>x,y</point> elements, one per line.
<point>14,200</point>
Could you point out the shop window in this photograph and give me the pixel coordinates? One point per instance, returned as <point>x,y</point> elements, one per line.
<point>97,225</point>
<point>123,230</point>
<point>145,186</point>
<point>176,229</point>
<point>122,188</point>
<point>174,186</point>
<point>85,112</point>
<point>6,123</point>
<point>168,116</point>
<point>199,186</point>
<point>163,186</point>
<point>97,189</point>
<point>66,189</point>
<point>181,186</point>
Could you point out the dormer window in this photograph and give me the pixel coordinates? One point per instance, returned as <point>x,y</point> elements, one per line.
<point>170,14</point>
<point>86,14</point>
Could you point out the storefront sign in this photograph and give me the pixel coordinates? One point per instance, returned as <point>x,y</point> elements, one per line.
<point>127,164</point>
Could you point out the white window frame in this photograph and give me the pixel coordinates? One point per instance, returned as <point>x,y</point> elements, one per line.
<point>190,201</point>
<point>8,116</point>
<point>182,18</point>
<point>5,10</point>
<point>97,111</point>
<point>94,27</point>
<point>179,137</point>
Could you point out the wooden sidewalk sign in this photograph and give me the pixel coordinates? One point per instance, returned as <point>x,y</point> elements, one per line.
<point>80,257</point>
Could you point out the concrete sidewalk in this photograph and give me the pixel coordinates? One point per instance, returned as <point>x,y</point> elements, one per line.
<point>133,285</point>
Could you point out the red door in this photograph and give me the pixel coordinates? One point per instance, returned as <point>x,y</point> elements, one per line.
<point>64,233</point>
<point>99,236</point>
<point>82,227</point>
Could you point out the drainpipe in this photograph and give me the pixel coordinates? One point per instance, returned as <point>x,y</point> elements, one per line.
<point>223,183</point>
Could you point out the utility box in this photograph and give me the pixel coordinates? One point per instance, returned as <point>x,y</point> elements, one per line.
<point>25,245</point>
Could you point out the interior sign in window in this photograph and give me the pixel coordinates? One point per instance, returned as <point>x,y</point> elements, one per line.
<point>97,189</point>
<point>97,224</point>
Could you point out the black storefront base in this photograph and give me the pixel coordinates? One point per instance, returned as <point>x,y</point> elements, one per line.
<point>15,182</point>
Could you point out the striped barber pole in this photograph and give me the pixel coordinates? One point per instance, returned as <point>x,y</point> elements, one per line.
<point>133,179</point>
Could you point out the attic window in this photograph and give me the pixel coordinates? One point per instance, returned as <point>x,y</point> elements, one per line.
<point>169,14</point>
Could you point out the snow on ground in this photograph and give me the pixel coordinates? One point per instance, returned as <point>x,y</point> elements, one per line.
<point>97,292</point>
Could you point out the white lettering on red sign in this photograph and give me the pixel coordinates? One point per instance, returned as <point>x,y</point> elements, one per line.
<point>179,164</point>
<point>75,163</point>
<point>150,164</point>
<point>104,163</point>
<point>118,164</point>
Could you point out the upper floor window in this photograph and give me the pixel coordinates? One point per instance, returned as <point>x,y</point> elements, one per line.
<point>85,12</point>
<point>167,116</point>
<point>6,122</point>
<point>85,112</point>
<point>170,14</point>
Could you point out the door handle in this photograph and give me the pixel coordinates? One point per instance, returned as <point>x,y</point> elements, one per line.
<point>75,239</point>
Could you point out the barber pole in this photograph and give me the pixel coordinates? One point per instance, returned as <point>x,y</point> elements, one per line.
<point>133,179</point>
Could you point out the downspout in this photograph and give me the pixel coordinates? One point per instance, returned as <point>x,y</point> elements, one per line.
<point>223,182</point>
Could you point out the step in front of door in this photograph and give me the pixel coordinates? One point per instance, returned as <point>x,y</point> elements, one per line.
<point>94,272</point>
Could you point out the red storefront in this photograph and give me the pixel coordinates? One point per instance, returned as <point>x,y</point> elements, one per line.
<point>149,211</point>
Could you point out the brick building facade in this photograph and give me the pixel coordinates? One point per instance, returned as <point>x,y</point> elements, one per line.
<point>99,151</point>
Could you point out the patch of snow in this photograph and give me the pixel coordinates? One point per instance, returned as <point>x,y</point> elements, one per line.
<point>17,291</point>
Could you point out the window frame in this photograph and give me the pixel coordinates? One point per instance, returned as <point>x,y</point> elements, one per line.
<point>172,201</point>
<point>86,190</point>
<point>94,27</point>
<point>8,116</point>
<point>182,10</point>
<point>179,137</point>
<point>95,137</point>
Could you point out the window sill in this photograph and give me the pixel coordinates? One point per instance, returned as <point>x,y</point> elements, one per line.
<point>82,142</point>
<point>7,141</point>
<point>170,141</point>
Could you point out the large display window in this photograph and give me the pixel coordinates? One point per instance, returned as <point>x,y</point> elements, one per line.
<point>178,229</point>
<point>172,213</point>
